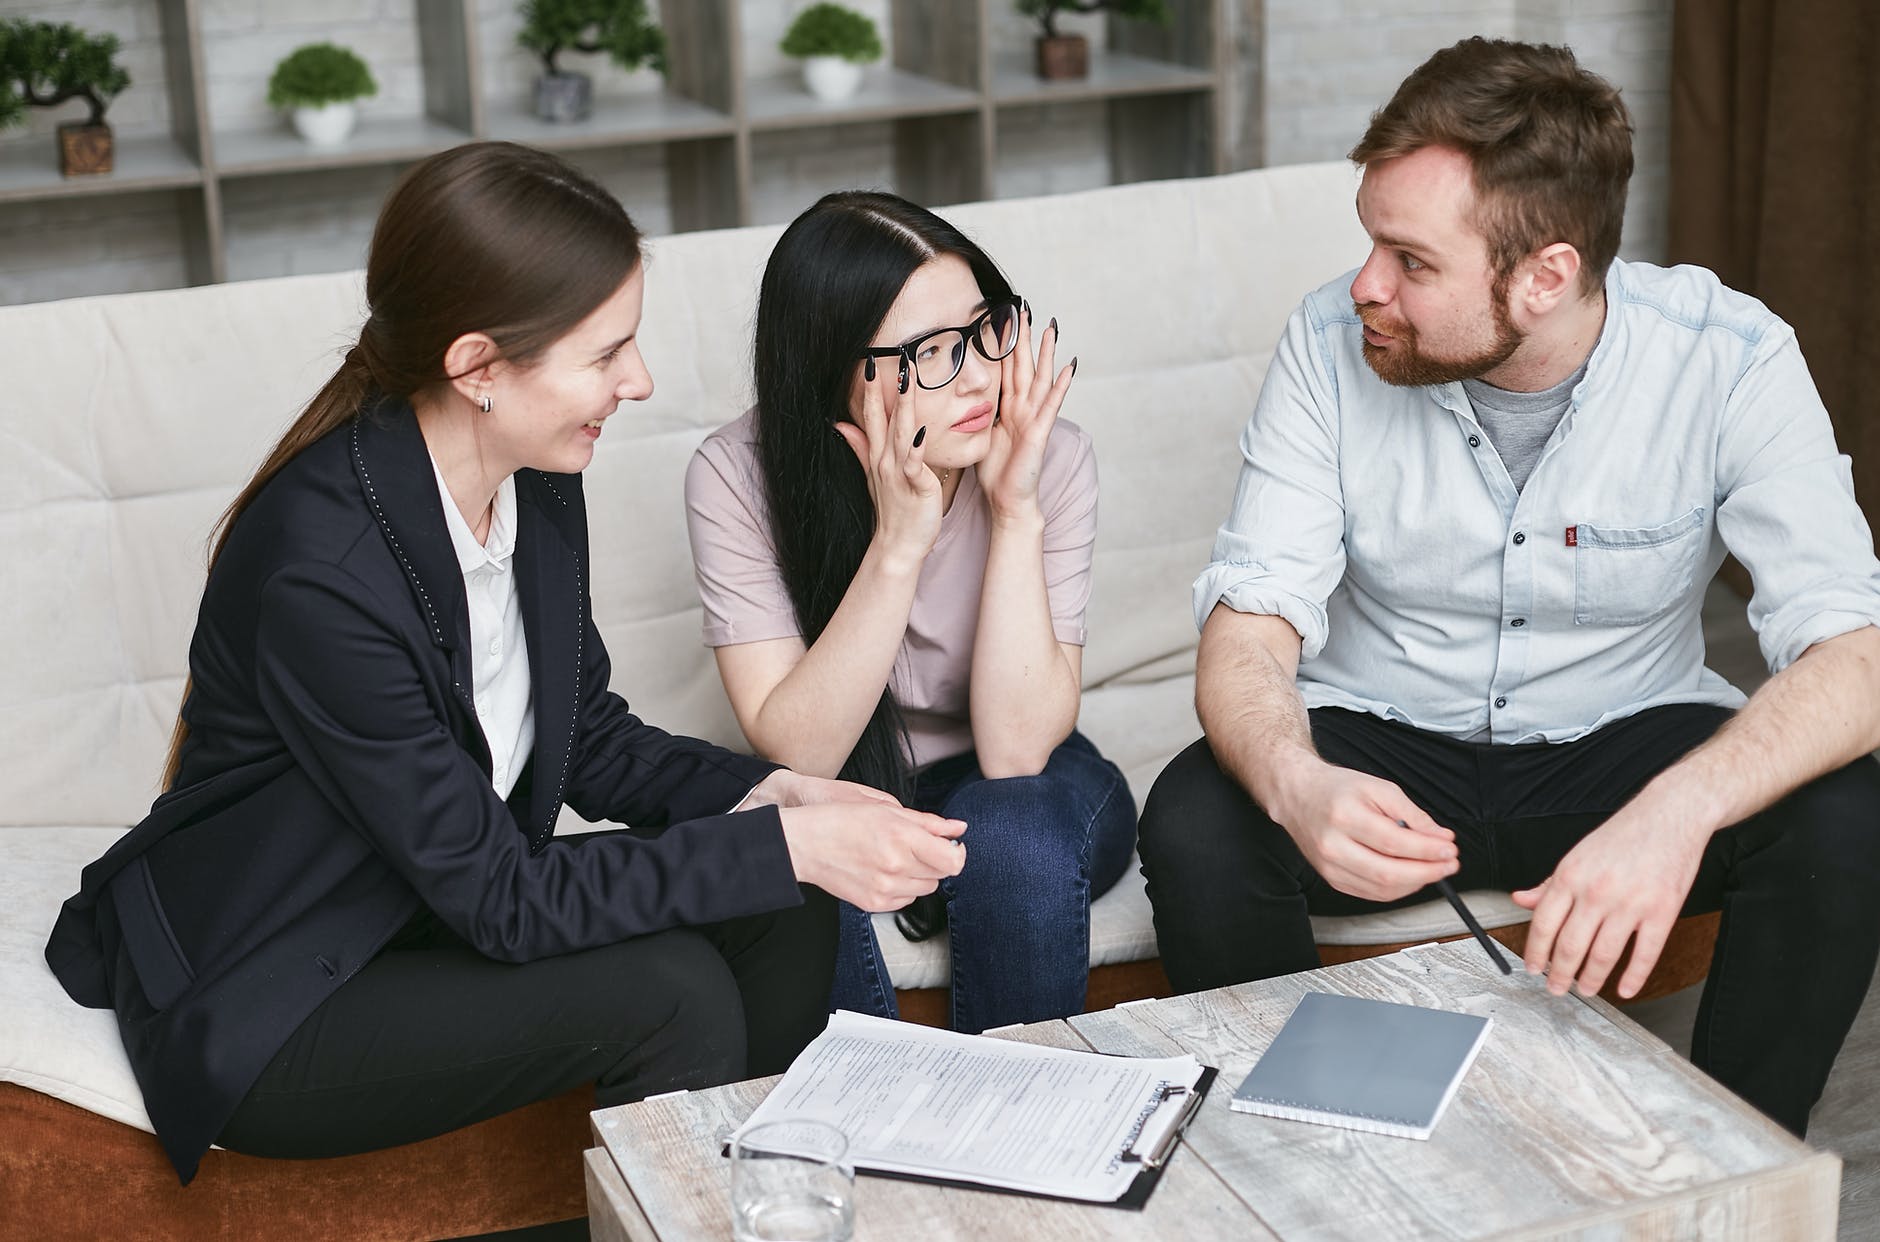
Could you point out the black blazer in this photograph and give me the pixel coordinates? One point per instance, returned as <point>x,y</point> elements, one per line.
<point>336,781</point>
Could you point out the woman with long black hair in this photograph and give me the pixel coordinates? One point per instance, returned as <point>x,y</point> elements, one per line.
<point>347,924</point>
<point>894,551</point>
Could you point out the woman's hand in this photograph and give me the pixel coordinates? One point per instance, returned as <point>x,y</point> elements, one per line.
<point>871,855</point>
<point>890,447</point>
<point>1028,408</point>
<point>784,788</point>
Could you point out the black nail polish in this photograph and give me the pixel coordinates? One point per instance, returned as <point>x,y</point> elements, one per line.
<point>919,436</point>
<point>868,369</point>
<point>1073,366</point>
<point>1054,323</point>
<point>901,381</point>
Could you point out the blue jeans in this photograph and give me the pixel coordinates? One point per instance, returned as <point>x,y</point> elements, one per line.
<point>1038,849</point>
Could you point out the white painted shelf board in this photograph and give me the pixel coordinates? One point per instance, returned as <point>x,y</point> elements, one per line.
<point>29,168</point>
<point>782,102</point>
<point>1112,74</point>
<point>377,140</point>
<point>618,121</point>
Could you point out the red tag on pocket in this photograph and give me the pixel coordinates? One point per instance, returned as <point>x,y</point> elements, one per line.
<point>1573,536</point>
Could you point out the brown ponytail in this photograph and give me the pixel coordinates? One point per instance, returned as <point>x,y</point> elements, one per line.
<point>487,237</point>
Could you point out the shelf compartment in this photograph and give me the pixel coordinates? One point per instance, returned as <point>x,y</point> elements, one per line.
<point>783,102</point>
<point>29,169</point>
<point>1112,75</point>
<point>618,121</point>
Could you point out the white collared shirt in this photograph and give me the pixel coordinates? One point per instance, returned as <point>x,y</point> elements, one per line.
<point>499,658</point>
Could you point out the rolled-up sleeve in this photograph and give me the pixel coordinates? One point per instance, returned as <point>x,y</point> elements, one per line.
<point>1282,549</point>
<point>1786,508</point>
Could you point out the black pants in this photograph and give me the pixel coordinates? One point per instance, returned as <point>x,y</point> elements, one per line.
<point>1798,884</point>
<point>431,1035</point>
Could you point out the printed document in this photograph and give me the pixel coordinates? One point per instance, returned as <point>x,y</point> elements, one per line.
<point>994,1112</point>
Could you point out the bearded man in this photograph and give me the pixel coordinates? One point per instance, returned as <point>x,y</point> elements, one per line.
<point>1451,626</point>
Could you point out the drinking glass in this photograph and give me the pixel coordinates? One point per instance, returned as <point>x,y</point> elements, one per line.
<point>790,1182</point>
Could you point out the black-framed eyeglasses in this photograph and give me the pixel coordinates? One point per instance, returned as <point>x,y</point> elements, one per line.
<point>935,359</point>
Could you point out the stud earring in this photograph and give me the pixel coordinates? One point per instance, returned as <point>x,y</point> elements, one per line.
<point>484,403</point>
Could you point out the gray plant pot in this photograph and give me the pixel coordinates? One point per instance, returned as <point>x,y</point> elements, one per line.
<point>564,96</point>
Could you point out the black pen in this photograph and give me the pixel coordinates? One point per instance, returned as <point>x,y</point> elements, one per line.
<point>1489,947</point>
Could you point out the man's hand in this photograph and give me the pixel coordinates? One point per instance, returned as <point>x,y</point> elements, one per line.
<point>1628,877</point>
<point>1362,834</point>
<point>786,788</point>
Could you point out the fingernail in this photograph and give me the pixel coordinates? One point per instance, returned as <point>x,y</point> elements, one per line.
<point>1054,323</point>
<point>1028,310</point>
<point>919,436</point>
<point>868,369</point>
<point>1073,366</point>
<point>901,382</point>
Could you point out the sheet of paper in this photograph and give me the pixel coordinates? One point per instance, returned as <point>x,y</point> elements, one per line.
<point>917,1100</point>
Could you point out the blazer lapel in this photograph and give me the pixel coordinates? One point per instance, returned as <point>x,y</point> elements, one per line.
<point>400,486</point>
<point>554,620</point>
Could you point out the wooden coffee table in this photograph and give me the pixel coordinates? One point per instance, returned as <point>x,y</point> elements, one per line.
<point>1575,1122</point>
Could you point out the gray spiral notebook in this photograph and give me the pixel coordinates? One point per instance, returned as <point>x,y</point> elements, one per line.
<point>1364,1065</point>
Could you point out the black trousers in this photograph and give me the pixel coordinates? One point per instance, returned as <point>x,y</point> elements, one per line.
<point>432,1035</point>
<point>1798,884</point>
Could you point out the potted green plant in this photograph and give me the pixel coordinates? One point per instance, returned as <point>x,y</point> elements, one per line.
<point>43,64</point>
<point>1068,55</point>
<point>317,83</point>
<point>834,44</point>
<point>620,28</point>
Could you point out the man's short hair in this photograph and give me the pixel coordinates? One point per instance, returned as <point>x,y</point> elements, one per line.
<point>1549,142</point>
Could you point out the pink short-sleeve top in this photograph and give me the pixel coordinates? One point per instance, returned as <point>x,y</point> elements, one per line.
<point>741,585</point>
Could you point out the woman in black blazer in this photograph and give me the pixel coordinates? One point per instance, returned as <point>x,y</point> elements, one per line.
<point>347,924</point>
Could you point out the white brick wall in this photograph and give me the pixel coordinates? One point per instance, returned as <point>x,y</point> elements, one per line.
<point>1326,65</point>
<point>73,247</point>
<point>1329,63</point>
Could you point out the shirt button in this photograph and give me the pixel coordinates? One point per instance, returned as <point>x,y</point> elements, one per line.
<point>1475,441</point>
<point>496,646</point>
<point>1501,702</point>
<point>1518,622</point>
<point>1519,538</point>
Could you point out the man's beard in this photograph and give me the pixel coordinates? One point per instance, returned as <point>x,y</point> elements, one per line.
<point>1406,367</point>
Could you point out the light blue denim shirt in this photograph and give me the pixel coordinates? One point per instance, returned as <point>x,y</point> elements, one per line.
<point>1380,523</point>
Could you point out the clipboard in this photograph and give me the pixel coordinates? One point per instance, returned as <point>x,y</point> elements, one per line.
<point>1153,1142</point>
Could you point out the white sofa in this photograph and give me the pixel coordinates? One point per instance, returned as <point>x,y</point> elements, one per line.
<point>128,422</point>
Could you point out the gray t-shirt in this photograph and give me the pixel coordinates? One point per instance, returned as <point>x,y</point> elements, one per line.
<point>1519,424</point>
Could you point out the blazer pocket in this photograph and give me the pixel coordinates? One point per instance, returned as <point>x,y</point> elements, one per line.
<point>1628,575</point>
<point>163,970</point>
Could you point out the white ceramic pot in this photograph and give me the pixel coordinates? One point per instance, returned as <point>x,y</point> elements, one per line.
<point>831,77</point>
<point>326,126</point>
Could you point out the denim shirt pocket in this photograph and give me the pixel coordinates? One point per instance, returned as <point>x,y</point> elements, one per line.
<point>1627,575</point>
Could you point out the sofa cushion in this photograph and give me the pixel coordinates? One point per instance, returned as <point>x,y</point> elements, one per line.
<point>46,1042</point>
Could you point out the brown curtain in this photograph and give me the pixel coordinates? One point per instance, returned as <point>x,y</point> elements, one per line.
<point>1775,184</point>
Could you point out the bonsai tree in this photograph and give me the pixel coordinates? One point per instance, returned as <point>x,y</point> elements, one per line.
<point>620,28</point>
<point>42,65</point>
<point>319,74</point>
<point>832,30</point>
<point>1046,11</point>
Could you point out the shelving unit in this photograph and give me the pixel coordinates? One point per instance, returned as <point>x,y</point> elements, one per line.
<point>942,94</point>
